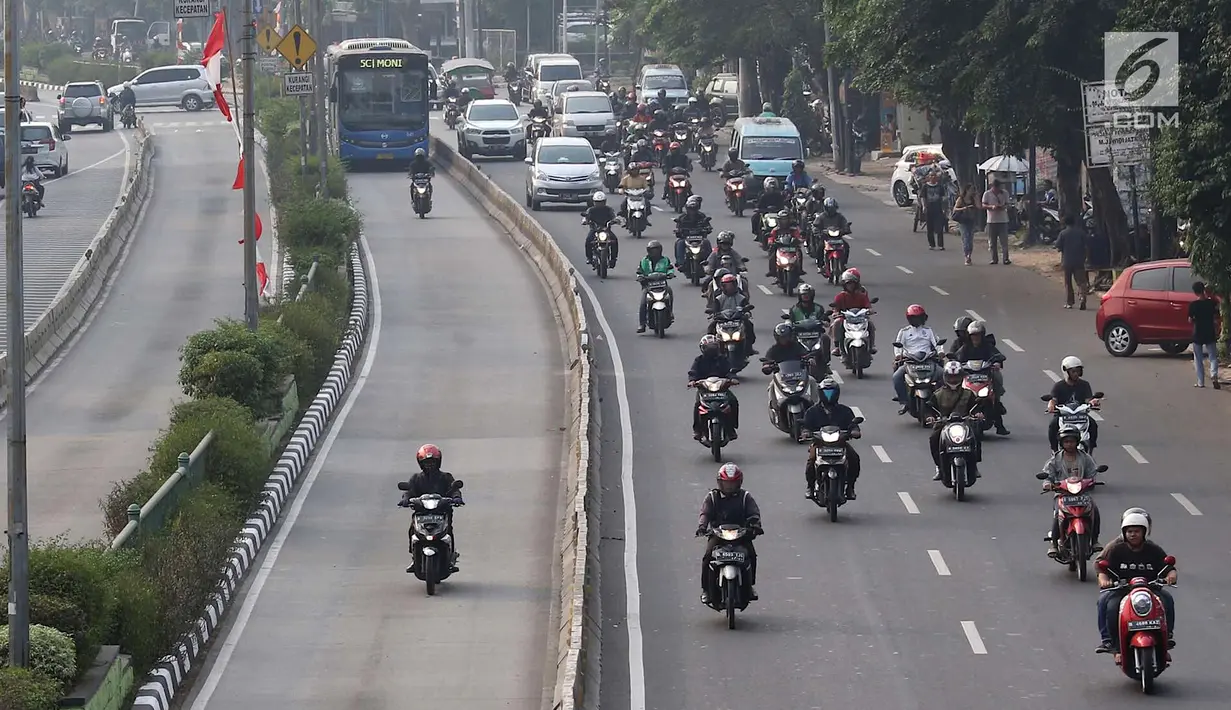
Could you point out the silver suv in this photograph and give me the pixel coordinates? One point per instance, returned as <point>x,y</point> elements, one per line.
<point>181,85</point>
<point>83,103</point>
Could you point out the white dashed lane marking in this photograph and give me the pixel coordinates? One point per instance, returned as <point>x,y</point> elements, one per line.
<point>905,270</point>
<point>1096,416</point>
<point>873,252</point>
<point>976,316</point>
<point>881,454</point>
<point>1188,504</point>
<point>940,290</point>
<point>1052,376</point>
<point>938,562</point>
<point>765,290</point>
<point>1013,346</point>
<point>908,502</point>
<point>972,636</point>
<point>1132,451</point>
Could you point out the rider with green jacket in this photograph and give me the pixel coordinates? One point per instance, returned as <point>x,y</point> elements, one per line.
<point>653,263</point>
<point>807,308</point>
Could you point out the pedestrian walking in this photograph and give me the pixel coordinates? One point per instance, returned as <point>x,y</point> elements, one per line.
<point>964,215</point>
<point>996,202</point>
<point>1073,243</point>
<point>1203,313</point>
<point>935,197</point>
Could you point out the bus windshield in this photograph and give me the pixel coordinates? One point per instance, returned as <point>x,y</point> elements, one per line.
<point>379,99</point>
<point>771,148</point>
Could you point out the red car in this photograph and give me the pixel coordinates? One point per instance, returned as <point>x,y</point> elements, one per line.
<point>1148,305</point>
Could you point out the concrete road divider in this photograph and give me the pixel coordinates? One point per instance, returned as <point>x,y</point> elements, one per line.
<point>89,278</point>
<point>577,661</point>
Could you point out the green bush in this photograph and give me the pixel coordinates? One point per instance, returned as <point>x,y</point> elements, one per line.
<point>42,55</point>
<point>51,654</point>
<point>226,373</point>
<point>300,354</point>
<point>277,116</point>
<point>22,690</point>
<point>236,461</point>
<point>66,69</point>
<point>253,382</point>
<point>160,58</point>
<point>317,321</point>
<point>795,104</point>
<point>325,227</point>
<point>138,612</point>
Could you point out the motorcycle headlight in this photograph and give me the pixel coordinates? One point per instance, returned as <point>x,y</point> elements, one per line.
<point>1143,602</point>
<point>730,534</point>
<point>735,335</point>
<point>726,335</point>
<point>983,392</point>
<point>956,434</point>
<point>659,295</point>
<point>1073,486</point>
<point>601,236</point>
<point>830,437</point>
<point>783,259</point>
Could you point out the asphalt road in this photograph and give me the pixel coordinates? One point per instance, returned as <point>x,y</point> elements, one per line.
<point>912,600</point>
<point>466,356</point>
<point>92,417</point>
<point>76,206</point>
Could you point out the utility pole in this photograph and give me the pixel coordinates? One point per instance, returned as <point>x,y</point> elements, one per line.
<point>18,538</point>
<point>563,26</point>
<point>318,78</point>
<point>835,141</point>
<point>303,107</point>
<point>251,290</point>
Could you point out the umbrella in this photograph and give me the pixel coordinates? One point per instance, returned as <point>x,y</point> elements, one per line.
<point>1004,164</point>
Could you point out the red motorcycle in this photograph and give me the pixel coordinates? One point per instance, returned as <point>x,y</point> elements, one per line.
<point>1141,626</point>
<point>734,191</point>
<point>979,381</point>
<point>679,188</point>
<point>1076,509</point>
<point>658,138</point>
<point>788,263</point>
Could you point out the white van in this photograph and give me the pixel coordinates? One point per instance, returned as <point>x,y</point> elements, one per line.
<point>550,71</point>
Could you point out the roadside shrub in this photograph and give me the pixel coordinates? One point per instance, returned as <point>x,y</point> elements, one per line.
<point>277,116</point>
<point>300,354</point>
<point>21,689</point>
<point>59,613</point>
<point>51,654</point>
<point>318,322</point>
<point>137,612</point>
<point>227,373</point>
<point>234,377</point>
<point>236,461</point>
<point>326,227</point>
<point>795,104</point>
<point>42,55</point>
<point>66,69</point>
<point>160,58</point>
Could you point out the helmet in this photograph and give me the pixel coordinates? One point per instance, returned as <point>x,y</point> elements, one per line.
<point>659,113</point>
<point>692,100</point>
<point>708,343</point>
<point>1137,511</point>
<point>633,168</point>
<point>1069,432</point>
<point>961,324</point>
<point>538,103</point>
<point>818,190</point>
<point>599,198</point>
<point>783,215</point>
<point>420,153</point>
<point>830,391</point>
<point>977,328</point>
<point>726,238</point>
<point>797,165</point>
<point>719,273</point>
<point>641,108</point>
<point>806,289</point>
<point>693,203</point>
<point>643,144</point>
<point>662,93</point>
<point>730,479</point>
<point>850,276</point>
<point>915,310</point>
<point>727,261</point>
<point>706,121</point>
<point>831,205</point>
<point>767,106</point>
<point>510,65</point>
<point>1071,363</point>
<point>621,91</point>
<point>732,152</point>
<point>730,278</point>
<point>674,146</point>
<point>429,457</point>
<point>953,373</point>
<point>652,246</point>
<point>610,131</point>
<point>770,184</point>
<point>631,96</point>
<point>784,332</point>
<point>1135,518</point>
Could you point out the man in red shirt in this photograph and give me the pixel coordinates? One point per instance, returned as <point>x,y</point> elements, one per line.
<point>853,295</point>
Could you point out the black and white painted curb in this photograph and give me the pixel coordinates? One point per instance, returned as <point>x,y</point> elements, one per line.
<point>169,673</point>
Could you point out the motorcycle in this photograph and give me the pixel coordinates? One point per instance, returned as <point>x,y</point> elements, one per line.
<point>799,204</point>
<point>855,345</point>
<point>694,262</point>
<point>810,333</point>
<point>769,222</point>
<point>1141,626</point>
<point>603,84</point>
<point>788,263</point>
<point>452,112</point>
<point>829,460</point>
<point>922,380</point>
<point>959,454</point>
<point>711,288</point>
<point>100,54</point>
<point>718,112</point>
<point>515,92</point>
<point>1076,509</point>
<point>128,116</point>
<point>791,392</point>
<point>680,133</point>
<point>431,545</point>
<point>30,203</point>
<point>714,408</point>
<point>730,563</point>
<point>1076,416</point>
<point>637,210</point>
<point>603,238</point>
<point>421,194</point>
<point>537,129</point>
<point>733,189</point>
<point>833,256</point>
<point>679,188</point>
<point>611,171</point>
<point>978,380</point>
<point>707,150</point>
<point>732,332</point>
<point>658,141</point>
<point>659,300</point>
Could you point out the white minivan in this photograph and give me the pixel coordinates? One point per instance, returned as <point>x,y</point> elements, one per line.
<point>552,70</point>
<point>183,85</point>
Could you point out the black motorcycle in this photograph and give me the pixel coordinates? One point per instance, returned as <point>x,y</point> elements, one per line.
<point>515,92</point>
<point>922,380</point>
<point>431,547</point>
<point>452,112</point>
<point>421,193</point>
<point>730,563</point>
<point>30,203</point>
<point>695,255</point>
<point>810,332</point>
<point>829,459</point>
<point>659,301</point>
<point>959,453</point>
<point>603,239</point>
<point>732,330</point>
<point>714,409</point>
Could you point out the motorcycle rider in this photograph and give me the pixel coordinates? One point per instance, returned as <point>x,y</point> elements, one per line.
<point>1069,461</point>
<point>1069,390</point>
<point>767,111</point>
<point>642,153</point>
<point>661,121</point>
<point>430,479</point>
<point>653,263</point>
<point>798,178</point>
<point>950,398</point>
<point>786,347</point>
<point>610,142</point>
<point>420,165</point>
<point>31,174</point>
<point>689,111</point>
<point>771,199</point>
<point>600,214</point>
<point>643,115</point>
<point>127,97</point>
<point>452,91</point>
<point>728,504</point>
<point>1132,555</point>
<point>705,130</point>
<point>634,180</point>
<point>828,411</point>
<point>510,73</point>
<point>467,96</point>
<point>729,296</point>
<point>786,226</point>
<point>806,308</point>
<point>712,362</point>
<point>692,220</point>
<point>726,247</point>
<point>537,110</point>
<point>961,337</point>
<point>676,158</point>
<point>629,109</point>
<point>978,347</point>
<point>915,337</point>
<point>733,164</point>
<point>831,216</point>
<point>853,295</point>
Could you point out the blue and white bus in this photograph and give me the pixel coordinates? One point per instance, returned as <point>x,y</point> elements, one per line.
<point>379,91</point>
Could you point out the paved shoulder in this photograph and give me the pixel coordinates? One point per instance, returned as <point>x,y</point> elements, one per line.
<point>467,357</point>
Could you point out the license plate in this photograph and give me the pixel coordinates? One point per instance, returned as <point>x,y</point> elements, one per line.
<point>384,156</point>
<point>831,451</point>
<point>713,398</point>
<point>1078,500</point>
<point>1146,625</point>
<point>979,379</point>
<point>958,449</point>
<point>430,519</point>
<point>921,370</point>
<point>29,151</point>
<point>496,141</point>
<point>1074,419</point>
<point>730,556</point>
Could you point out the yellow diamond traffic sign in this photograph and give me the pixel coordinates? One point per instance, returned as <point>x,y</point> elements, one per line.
<point>297,46</point>
<point>268,38</point>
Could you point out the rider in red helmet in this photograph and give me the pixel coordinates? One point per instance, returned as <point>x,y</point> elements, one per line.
<point>853,295</point>
<point>728,504</point>
<point>915,337</point>
<point>431,479</point>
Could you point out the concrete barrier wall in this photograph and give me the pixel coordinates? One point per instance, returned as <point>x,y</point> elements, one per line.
<point>577,659</point>
<point>89,278</point>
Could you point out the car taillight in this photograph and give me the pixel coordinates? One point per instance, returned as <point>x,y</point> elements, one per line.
<point>1104,297</point>
<point>102,100</point>
<point>61,103</point>
<point>50,143</point>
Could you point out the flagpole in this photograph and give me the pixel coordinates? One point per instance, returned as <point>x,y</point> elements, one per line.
<point>251,287</point>
<point>231,69</point>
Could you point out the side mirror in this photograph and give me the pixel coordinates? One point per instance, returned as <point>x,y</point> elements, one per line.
<point>749,307</point>
<point>403,485</point>
<point>1102,468</point>
<point>859,420</point>
<point>636,86</point>
<point>333,94</point>
<point>1098,395</point>
<point>1045,398</point>
<point>1169,560</point>
<point>1104,565</point>
<point>59,96</point>
<point>896,345</point>
<point>528,161</point>
<point>850,224</point>
<point>458,485</point>
<point>942,341</point>
<point>875,300</point>
<point>1041,476</point>
<point>744,259</point>
<point>709,310</point>
<point>65,137</point>
<point>835,307</point>
<point>786,316</point>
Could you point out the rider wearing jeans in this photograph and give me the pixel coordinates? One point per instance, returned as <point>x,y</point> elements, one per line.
<point>1131,555</point>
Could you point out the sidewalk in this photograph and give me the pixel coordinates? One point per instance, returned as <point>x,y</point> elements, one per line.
<point>873,178</point>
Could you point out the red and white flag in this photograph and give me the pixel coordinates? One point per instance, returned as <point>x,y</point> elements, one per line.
<point>211,59</point>
<point>262,276</point>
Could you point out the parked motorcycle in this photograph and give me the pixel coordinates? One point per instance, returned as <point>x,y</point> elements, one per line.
<point>922,380</point>
<point>732,332</point>
<point>730,562</point>
<point>829,460</point>
<point>1076,416</point>
<point>431,545</point>
<point>1076,509</point>
<point>959,454</point>
<point>714,409</point>
<point>612,170</point>
<point>708,153</point>
<point>810,333</point>
<point>791,392</point>
<point>679,188</point>
<point>733,189</point>
<point>638,209</point>
<point>1141,626</point>
<point>855,345</point>
<point>660,302</point>
<point>421,194</point>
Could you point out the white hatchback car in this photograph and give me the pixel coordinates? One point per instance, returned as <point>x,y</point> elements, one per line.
<point>899,182</point>
<point>49,148</point>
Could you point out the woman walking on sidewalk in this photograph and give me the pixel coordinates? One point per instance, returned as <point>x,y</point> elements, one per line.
<point>1203,313</point>
<point>964,214</point>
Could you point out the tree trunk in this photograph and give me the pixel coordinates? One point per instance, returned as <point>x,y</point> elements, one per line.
<point>959,147</point>
<point>1068,185</point>
<point>1109,215</point>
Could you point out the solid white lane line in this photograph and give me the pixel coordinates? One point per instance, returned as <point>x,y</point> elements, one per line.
<point>1096,416</point>
<point>1013,346</point>
<point>905,270</point>
<point>873,252</point>
<point>836,378</point>
<point>881,454</point>
<point>1132,451</point>
<point>940,290</point>
<point>765,289</point>
<point>908,502</point>
<point>1188,504</point>
<point>972,636</point>
<point>1051,375</point>
<point>976,316</point>
<point>858,412</point>
<point>938,562</point>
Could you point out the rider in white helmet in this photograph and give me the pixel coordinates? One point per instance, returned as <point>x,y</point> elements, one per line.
<point>1072,389</point>
<point>1131,555</point>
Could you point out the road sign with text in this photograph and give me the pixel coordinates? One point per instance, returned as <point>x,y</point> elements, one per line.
<point>193,8</point>
<point>297,46</point>
<point>297,84</point>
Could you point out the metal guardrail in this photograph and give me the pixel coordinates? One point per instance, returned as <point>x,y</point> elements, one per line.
<point>153,515</point>
<point>307,283</point>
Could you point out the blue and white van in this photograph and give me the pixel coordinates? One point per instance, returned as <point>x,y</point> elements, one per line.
<point>768,146</point>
